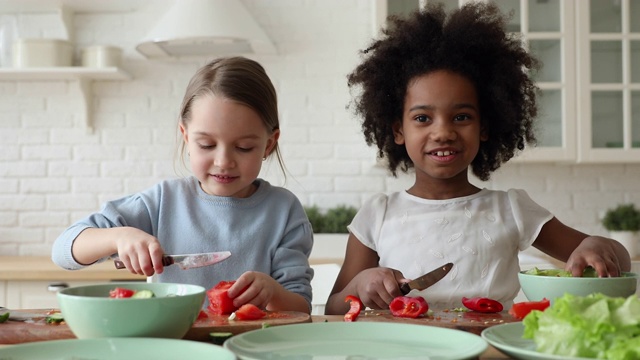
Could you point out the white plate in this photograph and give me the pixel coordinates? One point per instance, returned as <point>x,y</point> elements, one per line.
<point>354,340</point>
<point>116,349</point>
<point>508,339</point>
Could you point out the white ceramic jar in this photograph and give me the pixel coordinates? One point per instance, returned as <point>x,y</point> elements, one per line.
<point>101,56</point>
<point>42,53</point>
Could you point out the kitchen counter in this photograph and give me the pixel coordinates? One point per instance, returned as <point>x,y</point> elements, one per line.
<point>42,268</point>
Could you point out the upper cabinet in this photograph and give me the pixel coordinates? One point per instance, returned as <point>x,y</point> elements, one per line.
<point>609,80</point>
<point>589,100</point>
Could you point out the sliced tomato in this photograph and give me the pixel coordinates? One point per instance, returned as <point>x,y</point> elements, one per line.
<point>120,293</point>
<point>408,307</point>
<point>522,309</point>
<point>219,301</point>
<point>356,308</point>
<point>249,312</point>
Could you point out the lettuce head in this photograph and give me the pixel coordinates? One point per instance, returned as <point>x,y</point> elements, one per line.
<point>595,326</point>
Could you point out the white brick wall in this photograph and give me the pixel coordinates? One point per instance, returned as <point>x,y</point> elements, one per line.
<point>53,172</point>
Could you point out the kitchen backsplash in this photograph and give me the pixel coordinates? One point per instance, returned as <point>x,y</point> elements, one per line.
<point>52,171</point>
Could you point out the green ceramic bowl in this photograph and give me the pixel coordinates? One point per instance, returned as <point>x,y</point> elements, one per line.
<point>90,313</point>
<point>537,287</point>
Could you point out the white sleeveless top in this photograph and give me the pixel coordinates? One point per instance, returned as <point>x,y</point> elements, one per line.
<point>480,234</point>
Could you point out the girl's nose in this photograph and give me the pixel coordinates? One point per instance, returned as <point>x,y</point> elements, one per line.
<point>443,131</point>
<point>223,159</point>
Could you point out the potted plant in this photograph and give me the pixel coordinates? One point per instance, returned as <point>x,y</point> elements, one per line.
<point>623,224</point>
<point>330,232</point>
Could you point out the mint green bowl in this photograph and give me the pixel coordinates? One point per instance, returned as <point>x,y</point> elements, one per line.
<point>90,313</point>
<point>537,287</point>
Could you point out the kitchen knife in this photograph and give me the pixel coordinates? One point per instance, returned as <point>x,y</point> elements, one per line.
<point>187,261</point>
<point>21,315</point>
<point>427,279</point>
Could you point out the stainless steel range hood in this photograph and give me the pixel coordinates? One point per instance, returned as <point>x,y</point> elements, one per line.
<point>205,28</point>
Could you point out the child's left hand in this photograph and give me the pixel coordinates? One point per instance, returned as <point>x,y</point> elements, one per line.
<point>254,287</point>
<point>608,257</point>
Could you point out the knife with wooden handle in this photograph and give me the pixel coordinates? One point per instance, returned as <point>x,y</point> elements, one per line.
<point>427,279</point>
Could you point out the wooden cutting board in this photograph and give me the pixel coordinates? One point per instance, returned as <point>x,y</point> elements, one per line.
<point>16,332</point>
<point>470,321</point>
<point>221,323</point>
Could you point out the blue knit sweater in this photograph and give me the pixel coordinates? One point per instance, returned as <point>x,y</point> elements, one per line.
<point>267,232</point>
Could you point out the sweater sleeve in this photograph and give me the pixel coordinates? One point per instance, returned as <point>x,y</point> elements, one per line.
<point>291,259</point>
<point>128,211</point>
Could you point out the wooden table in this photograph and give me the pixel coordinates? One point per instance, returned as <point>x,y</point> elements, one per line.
<point>41,332</point>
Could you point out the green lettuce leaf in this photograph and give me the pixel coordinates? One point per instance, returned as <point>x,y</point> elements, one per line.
<point>594,326</point>
<point>588,272</point>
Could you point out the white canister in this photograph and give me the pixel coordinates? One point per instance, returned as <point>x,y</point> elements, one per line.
<point>100,56</point>
<point>42,53</point>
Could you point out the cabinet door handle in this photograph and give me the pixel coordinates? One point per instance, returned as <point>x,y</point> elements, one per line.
<point>55,287</point>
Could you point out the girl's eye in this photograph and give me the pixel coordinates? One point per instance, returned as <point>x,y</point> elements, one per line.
<point>421,118</point>
<point>462,117</point>
<point>206,146</point>
<point>245,149</point>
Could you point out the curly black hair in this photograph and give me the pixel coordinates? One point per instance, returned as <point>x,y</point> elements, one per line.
<point>473,42</point>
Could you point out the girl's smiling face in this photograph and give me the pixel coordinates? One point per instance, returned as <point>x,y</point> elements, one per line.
<point>227,142</point>
<point>440,126</point>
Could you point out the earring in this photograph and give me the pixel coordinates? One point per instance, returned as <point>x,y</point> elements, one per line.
<point>264,158</point>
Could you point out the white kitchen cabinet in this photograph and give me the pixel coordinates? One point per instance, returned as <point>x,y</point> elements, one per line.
<point>609,80</point>
<point>590,80</point>
<point>3,294</point>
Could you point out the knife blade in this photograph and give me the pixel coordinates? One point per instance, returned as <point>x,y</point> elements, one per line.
<point>427,279</point>
<point>16,315</point>
<point>187,261</point>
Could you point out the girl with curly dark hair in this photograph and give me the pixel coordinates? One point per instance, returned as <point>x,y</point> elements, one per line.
<point>445,95</point>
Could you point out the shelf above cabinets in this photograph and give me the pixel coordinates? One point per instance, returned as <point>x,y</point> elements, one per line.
<point>82,76</point>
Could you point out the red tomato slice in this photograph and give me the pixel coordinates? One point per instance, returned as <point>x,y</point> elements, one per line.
<point>249,312</point>
<point>408,307</point>
<point>219,301</point>
<point>522,309</point>
<point>356,308</point>
<point>121,293</point>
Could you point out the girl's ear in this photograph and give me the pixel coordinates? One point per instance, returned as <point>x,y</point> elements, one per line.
<point>484,134</point>
<point>398,136</point>
<point>271,142</point>
<point>185,134</point>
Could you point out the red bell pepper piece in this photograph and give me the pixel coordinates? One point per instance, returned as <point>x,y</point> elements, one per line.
<point>408,307</point>
<point>121,293</point>
<point>249,312</point>
<point>481,304</point>
<point>356,308</point>
<point>219,301</point>
<point>522,309</point>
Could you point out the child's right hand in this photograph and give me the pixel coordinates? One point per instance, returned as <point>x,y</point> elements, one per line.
<point>140,252</point>
<point>376,287</point>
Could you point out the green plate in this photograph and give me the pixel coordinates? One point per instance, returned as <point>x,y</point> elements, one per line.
<point>116,349</point>
<point>508,339</point>
<point>354,340</point>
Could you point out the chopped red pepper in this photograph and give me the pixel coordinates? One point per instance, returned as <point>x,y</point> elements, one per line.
<point>121,293</point>
<point>356,308</point>
<point>219,301</point>
<point>481,304</point>
<point>522,309</point>
<point>249,312</point>
<point>408,307</point>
